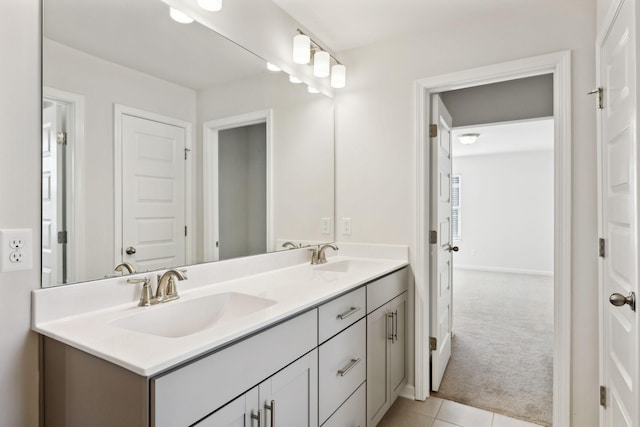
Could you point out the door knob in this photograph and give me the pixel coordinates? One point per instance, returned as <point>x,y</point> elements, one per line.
<point>130,250</point>
<point>453,248</point>
<point>619,300</point>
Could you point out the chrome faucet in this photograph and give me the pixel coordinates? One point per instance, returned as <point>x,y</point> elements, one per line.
<point>322,258</point>
<point>166,290</point>
<point>125,266</point>
<point>290,245</point>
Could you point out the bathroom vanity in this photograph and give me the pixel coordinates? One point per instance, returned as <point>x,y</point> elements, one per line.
<point>331,344</point>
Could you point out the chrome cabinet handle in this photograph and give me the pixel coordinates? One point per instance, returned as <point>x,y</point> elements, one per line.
<point>390,330</point>
<point>271,408</point>
<point>348,313</point>
<point>619,300</point>
<point>395,326</point>
<point>342,372</point>
<point>453,248</point>
<point>130,250</point>
<point>257,417</point>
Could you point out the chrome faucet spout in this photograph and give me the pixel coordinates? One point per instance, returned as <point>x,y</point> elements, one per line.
<point>166,290</point>
<point>322,258</point>
<point>130,269</point>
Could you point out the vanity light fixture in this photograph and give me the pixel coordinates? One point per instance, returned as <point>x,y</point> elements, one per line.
<point>312,89</point>
<point>304,46</point>
<point>468,138</point>
<point>301,49</point>
<point>179,16</point>
<point>294,79</point>
<point>272,67</point>
<point>210,5</point>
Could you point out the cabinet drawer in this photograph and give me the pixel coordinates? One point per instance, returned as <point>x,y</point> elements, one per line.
<point>353,413</point>
<point>341,367</point>
<point>336,315</point>
<point>184,396</point>
<point>386,288</point>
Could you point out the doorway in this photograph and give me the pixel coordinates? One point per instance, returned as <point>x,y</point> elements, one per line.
<point>558,65</point>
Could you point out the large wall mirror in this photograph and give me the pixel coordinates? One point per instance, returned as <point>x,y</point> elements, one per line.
<point>165,144</point>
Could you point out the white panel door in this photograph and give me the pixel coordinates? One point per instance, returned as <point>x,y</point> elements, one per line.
<point>440,254</point>
<point>51,259</point>
<point>153,193</point>
<point>618,153</point>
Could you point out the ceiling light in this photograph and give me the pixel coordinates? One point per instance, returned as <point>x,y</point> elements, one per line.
<point>468,138</point>
<point>179,16</point>
<point>311,89</point>
<point>338,76</point>
<point>321,62</point>
<point>301,49</point>
<point>294,79</point>
<point>210,5</point>
<point>272,67</point>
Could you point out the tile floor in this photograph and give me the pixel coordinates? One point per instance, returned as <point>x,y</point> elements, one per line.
<point>436,412</point>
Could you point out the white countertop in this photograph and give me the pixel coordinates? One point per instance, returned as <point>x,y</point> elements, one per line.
<point>294,289</point>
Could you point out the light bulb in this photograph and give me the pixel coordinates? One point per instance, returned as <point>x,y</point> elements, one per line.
<point>294,79</point>
<point>179,16</point>
<point>321,64</point>
<point>210,5</point>
<point>272,67</point>
<point>301,49</point>
<point>468,138</point>
<point>311,89</point>
<point>338,76</point>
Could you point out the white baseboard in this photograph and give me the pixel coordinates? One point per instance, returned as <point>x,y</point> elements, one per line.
<point>408,392</point>
<point>502,270</point>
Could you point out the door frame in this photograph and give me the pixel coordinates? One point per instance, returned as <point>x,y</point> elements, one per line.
<point>120,110</point>
<point>558,64</point>
<point>210,206</point>
<point>75,105</point>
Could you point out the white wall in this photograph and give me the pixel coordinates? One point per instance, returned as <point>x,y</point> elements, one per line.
<point>20,207</point>
<point>506,212</point>
<point>104,83</point>
<point>375,139</point>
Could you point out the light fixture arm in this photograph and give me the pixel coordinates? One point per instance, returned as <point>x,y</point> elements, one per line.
<point>315,45</point>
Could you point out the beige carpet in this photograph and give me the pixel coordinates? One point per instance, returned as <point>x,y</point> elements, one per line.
<point>502,352</point>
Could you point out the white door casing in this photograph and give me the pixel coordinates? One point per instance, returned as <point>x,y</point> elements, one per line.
<point>440,252</point>
<point>618,211</point>
<point>210,190</point>
<point>152,188</point>
<point>558,64</point>
<point>51,258</point>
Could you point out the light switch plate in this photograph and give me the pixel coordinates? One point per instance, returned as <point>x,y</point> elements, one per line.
<point>16,249</point>
<point>346,226</point>
<point>326,224</point>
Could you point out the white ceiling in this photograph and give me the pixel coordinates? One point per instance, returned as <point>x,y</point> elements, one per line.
<point>140,35</point>
<point>348,24</point>
<point>531,135</point>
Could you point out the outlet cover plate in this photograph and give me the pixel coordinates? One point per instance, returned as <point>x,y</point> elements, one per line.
<point>16,244</point>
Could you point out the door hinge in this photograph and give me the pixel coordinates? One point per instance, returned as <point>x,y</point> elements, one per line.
<point>62,237</point>
<point>433,343</point>
<point>601,251</point>
<point>603,396</point>
<point>185,231</point>
<point>433,237</point>
<point>186,152</point>
<point>600,92</point>
<point>433,131</point>
<point>217,244</point>
<point>61,138</point>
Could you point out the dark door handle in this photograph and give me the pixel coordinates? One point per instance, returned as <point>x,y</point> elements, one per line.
<point>130,250</point>
<point>619,300</point>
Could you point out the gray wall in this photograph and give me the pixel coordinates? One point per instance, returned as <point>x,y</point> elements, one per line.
<point>242,198</point>
<point>500,102</point>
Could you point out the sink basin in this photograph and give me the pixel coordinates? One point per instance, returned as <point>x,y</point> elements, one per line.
<point>178,319</point>
<point>347,265</point>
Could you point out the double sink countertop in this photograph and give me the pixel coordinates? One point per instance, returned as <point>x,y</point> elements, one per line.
<point>149,340</point>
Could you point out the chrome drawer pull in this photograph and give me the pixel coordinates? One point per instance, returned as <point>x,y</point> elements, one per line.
<point>272,408</point>
<point>390,330</point>
<point>342,372</point>
<point>257,417</point>
<point>348,313</point>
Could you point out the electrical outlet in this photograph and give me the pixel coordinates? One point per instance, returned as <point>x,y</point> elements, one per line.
<point>326,224</point>
<point>16,250</point>
<point>346,226</point>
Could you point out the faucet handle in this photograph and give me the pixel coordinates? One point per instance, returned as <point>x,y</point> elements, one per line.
<point>171,292</point>
<point>138,280</point>
<point>314,255</point>
<point>146,297</point>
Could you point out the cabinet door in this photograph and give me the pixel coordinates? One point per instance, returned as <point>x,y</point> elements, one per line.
<point>377,362</point>
<point>290,397</point>
<point>237,413</point>
<point>397,346</point>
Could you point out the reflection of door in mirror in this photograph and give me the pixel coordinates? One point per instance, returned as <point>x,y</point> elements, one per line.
<point>53,194</point>
<point>153,190</point>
